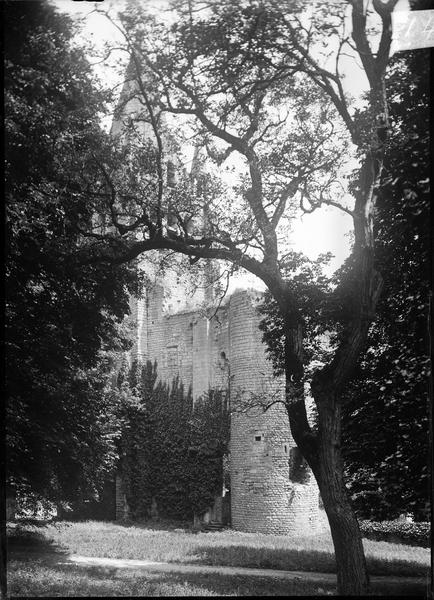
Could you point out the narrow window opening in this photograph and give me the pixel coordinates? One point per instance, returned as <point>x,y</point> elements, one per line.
<point>172,360</point>
<point>170,174</point>
<point>298,467</point>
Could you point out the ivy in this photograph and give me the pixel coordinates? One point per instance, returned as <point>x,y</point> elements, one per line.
<point>172,448</point>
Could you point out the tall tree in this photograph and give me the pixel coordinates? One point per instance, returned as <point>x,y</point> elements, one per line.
<point>254,81</point>
<point>60,314</point>
<point>385,415</point>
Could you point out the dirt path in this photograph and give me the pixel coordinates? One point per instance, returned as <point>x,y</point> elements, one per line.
<point>148,565</point>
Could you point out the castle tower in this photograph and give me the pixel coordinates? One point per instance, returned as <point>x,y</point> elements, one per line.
<point>272,489</point>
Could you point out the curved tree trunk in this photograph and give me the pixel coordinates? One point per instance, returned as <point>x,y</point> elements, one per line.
<point>352,574</point>
<point>323,454</point>
<point>322,450</point>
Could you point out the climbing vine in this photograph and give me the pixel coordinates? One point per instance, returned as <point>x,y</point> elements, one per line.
<point>172,449</point>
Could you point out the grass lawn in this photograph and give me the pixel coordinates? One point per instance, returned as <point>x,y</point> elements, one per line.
<point>44,580</point>
<point>38,560</point>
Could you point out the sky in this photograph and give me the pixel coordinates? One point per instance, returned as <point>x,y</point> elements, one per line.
<point>325,230</point>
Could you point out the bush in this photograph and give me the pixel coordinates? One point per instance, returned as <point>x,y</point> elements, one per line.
<point>400,532</point>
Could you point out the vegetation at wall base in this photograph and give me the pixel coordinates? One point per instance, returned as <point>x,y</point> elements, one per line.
<point>171,449</point>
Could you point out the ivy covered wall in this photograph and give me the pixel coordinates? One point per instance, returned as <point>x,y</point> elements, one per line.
<point>172,450</point>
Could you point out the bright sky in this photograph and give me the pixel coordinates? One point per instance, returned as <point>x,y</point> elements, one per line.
<point>325,230</point>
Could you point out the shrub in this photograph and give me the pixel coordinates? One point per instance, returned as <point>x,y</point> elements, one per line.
<point>401,532</point>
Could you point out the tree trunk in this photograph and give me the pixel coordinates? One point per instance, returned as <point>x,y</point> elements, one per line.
<point>352,574</point>
<point>322,451</point>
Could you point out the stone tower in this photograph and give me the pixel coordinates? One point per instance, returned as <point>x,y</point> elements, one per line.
<point>272,490</point>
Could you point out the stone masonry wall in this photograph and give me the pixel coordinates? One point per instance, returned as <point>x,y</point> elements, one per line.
<point>186,343</point>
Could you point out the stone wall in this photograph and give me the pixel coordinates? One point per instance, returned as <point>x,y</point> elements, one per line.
<point>187,343</point>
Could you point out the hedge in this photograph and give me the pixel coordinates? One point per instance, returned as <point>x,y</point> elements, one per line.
<point>399,532</point>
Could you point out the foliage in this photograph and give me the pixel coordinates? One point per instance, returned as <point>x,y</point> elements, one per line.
<point>414,534</point>
<point>62,315</point>
<point>209,447</point>
<point>311,288</point>
<point>263,106</point>
<point>385,422</point>
<point>172,451</point>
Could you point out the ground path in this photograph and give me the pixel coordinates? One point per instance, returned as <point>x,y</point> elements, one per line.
<point>147,565</point>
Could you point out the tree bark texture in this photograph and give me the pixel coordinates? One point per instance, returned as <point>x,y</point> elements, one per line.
<point>322,450</point>
<point>352,574</point>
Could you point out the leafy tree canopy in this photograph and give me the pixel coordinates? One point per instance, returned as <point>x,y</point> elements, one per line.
<point>388,466</point>
<point>60,314</point>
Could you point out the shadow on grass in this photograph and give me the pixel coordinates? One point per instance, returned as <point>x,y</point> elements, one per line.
<point>63,579</point>
<point>24,544</point>
<point>208,584</point>
<point>238,555</point>
<point>291,559</point>
<point>161,525</point>
<point>71,580</point>
<point>236,585</point>
<point>32,522</point>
